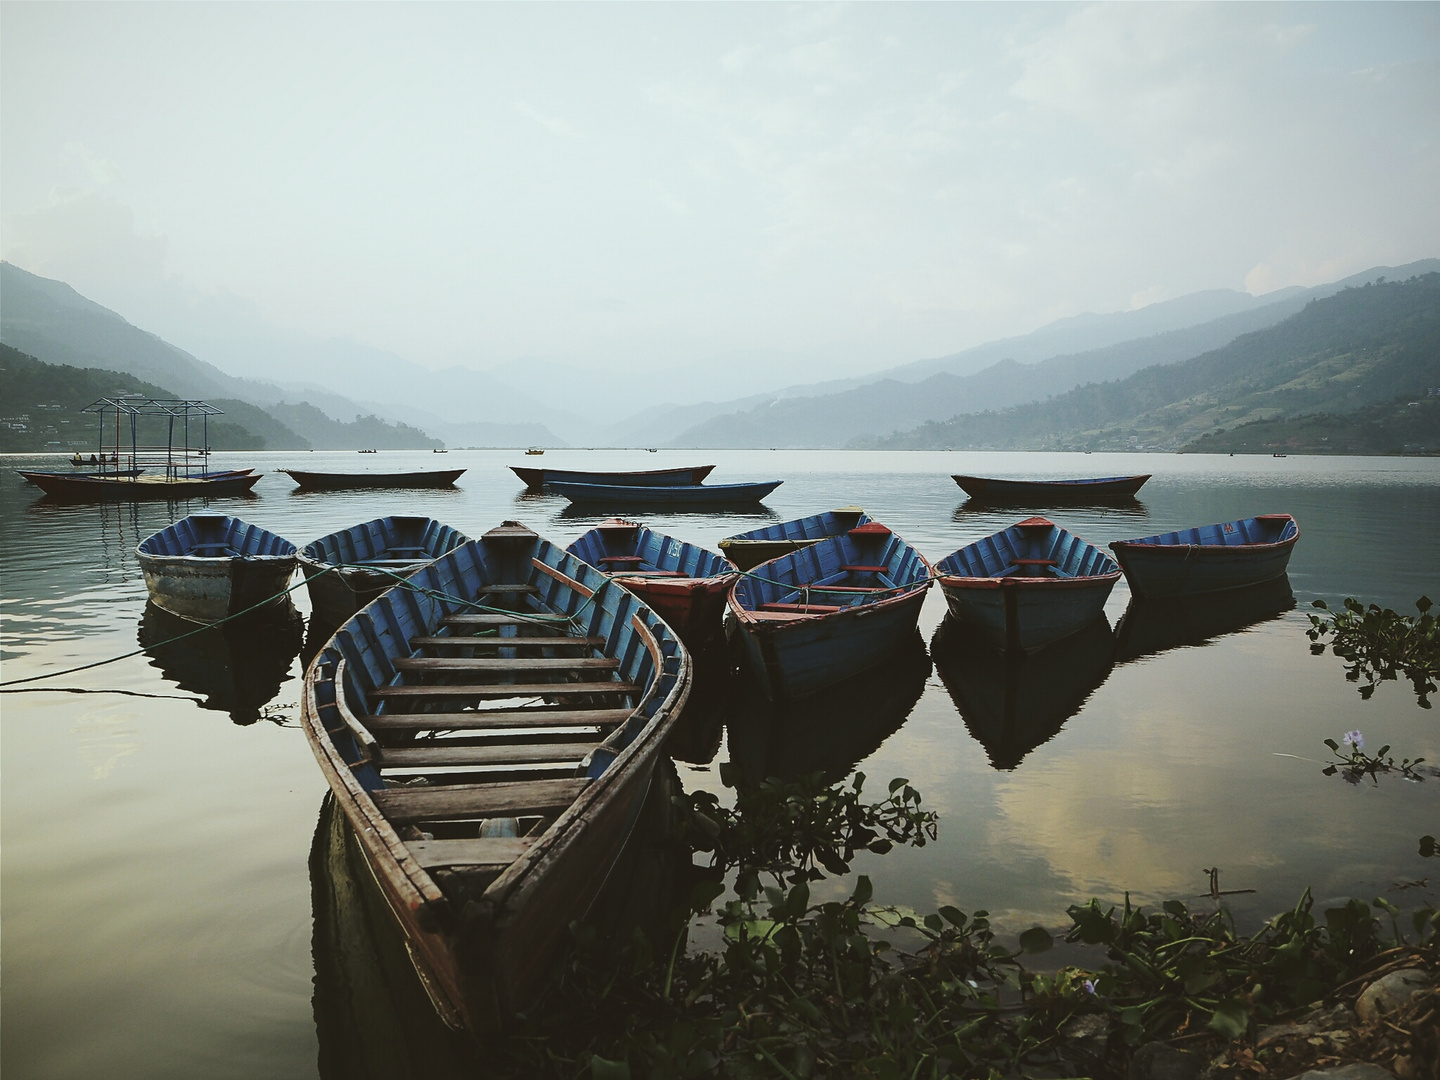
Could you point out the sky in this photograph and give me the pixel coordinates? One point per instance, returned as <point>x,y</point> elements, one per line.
<point>837,188</point>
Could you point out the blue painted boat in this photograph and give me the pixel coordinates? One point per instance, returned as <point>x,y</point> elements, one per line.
<point>1028,585</point>
<point>538,478</point>
<point>1211,558</point>
<point>995,489</point>
<point>345,570</point>
<point>490,729</point>
<point>206,567</point>
<point>749,549</point>
<point>655,495</point>
<point>827,611</point>
<point>683,583</point>
<point>146,486</point>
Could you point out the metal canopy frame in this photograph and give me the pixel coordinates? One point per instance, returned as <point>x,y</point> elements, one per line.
<point>178,460</point>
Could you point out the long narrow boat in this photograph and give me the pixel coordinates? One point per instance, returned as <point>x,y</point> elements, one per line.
<point>749,549</point>
<point>994,489</point>
<point>111,473</point>
<point>345,570</point>
<point>655,495</point>
<point>683,583</point>
<point>1028,585</point>
<point>1210,558</point>
<point>206,567</point>
<point>490,730</point>
<point>538,478</point>
<point>146,486</point>
<point>827,611</point>
<point>326,481</point>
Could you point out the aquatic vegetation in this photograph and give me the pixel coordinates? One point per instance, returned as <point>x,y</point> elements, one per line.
<point>1379,644</point>
<point>1356,765</point>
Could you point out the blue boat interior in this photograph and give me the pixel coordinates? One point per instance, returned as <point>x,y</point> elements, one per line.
<point>618,546</point>
<point>814,527</point>
<point>861,566</point>
<point>1263,529</point>
<point>491,598</point>
<point>388,540</point>
<point>1035,547</point>
<point>215,536</point>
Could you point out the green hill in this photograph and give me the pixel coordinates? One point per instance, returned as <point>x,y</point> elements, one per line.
<point>362,433</point>
<point>1361,347</point>
<point>1404,426</point>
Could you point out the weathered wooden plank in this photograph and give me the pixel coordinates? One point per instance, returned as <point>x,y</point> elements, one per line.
<point>434,754</point>
<point>557,642</point>
<point>490,691</point>
<point>492,618</point>
<point>407,804</point>
<point>506,664</point>
<point>485,852</point>
<point>483,719</point>
<point>523,590</point>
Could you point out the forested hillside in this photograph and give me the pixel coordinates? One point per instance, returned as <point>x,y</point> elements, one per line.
<point>1361,347</point>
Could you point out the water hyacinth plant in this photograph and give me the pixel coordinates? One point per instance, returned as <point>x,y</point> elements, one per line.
<point>1354,764</point>
<point>1379,644</point>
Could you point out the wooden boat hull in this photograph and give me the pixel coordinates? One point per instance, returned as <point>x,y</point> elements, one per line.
<point>110,473</point>
<point>318,481</point>
<point>993,489</point>
<point>254,569</point>
<point>143,487</point>
<point>536,478</point>
<point>483,944</point>
<point>682,495</point>
<point>1211,558</point>
<point>985,587</point>
<point>831,610</point>
<point>339,586</point>
<point>749,549</point>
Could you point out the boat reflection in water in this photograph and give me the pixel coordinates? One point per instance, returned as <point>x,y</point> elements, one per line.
<point>829,731</point>
<point>374,1018</point>
<point>1149,627</point>
<point>1124,506</point>
<point>1013,702</point>
<point>695,738</point>
<point>237,668</point>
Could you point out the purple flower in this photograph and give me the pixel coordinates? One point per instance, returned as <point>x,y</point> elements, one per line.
<point>1354,740</point>
<point>1089,985</point>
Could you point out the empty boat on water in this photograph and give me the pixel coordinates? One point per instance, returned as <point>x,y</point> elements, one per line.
<point>490,729</point>
<point>749,549</point>
<point>536,478</point>
<point>1027,586</point>
<point>1210,558</point>
<point>683,495</point>
<point>683,583</point>
<point>327,481</point>
<point>345,570</point>
<point>827,611</point>
<point>207,567</point>
<point>996,489</point>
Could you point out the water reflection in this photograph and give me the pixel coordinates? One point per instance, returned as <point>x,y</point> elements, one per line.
<point>1149,627</point>
<point>830,731</point>
<point>695,739</point>
<point>237,668</point>
<point>1011,703</point>
<point>741,512</point>
<point>1125,506</point>
<point>373,1016</point>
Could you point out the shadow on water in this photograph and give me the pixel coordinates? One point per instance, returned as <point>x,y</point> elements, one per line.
<point>1150,627</point>
<point>1011,703</point>
<point>237,668</point>
<point>695,739</point>
<point>829,731</point>
<point>1125,506</point>
<point>742,512</point>
<point>374,1017</point>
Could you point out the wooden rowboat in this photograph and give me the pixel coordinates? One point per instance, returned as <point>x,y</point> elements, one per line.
<point>827,611</point>
<point>1028,585</point>
<point>749,549</point>
<point>538,478</point>
<point>684,584</point>
<point>321,481</point>
<point>206,567</point>
<point>112,473</point>
<point>490,729</point>
<point>73,488</point>
<point>1211,558</point>
<point>655,495</point>
<point>345,570</point>
<point>992,489</point>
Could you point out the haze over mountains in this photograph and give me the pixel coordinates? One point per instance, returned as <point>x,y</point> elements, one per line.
<point>529,402</point>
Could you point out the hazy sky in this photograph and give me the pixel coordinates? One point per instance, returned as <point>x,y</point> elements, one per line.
<point>656,183</point>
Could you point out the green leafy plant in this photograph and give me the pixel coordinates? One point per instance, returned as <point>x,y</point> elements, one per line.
<point>1354,764</point>
<point>1378,644</point>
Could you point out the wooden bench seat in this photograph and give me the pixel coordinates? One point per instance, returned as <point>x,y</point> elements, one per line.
<point>813,609</point>
<point>408,804</point>
<point>495,719</point>
<point>436,753</point>
<point>863,569</point>
<point>487,853</point>
<point>495,691</point>
<point>506,664</point>
<point>495,640</point>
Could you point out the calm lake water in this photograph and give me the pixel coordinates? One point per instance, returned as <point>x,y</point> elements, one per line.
<point>158,910</point>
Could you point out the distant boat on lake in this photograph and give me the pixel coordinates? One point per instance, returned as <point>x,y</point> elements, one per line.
<point>995,489</point>
<point>536,478</point>
<point>677,496</point>
<point>327,481</point>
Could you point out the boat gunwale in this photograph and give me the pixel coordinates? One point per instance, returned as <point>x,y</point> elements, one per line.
<point>1149,544</point>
